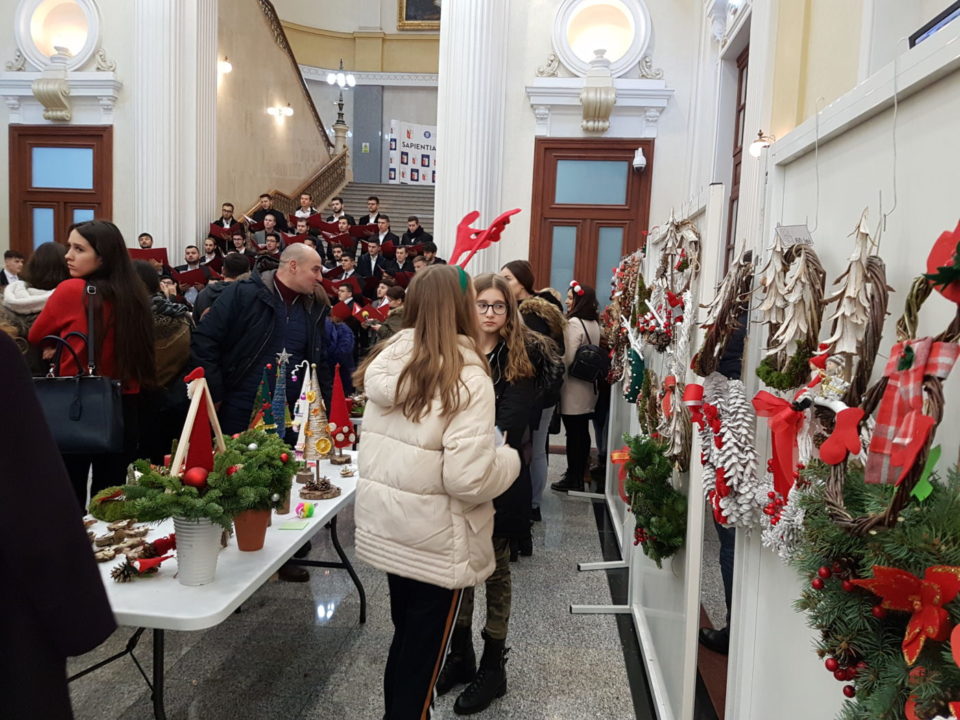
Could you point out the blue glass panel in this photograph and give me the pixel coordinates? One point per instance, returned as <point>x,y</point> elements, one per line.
<point>591,182</point>
<point>42,225</point>
<point>564,250</point>
<point>82,215</point>
<point>63,167</point>
<point>609,248</point>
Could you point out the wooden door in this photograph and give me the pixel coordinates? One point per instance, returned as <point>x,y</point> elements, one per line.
<point>590,207</point>
<point>58,176</point>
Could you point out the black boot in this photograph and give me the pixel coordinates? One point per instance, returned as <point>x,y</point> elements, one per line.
<point>490,682</point>
<point>514,549</point>
<point>526,545</point>
<point>460,666</point>
<point>567,483</point>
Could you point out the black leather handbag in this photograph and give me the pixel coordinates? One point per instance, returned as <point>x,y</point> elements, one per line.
<point>85,411</point>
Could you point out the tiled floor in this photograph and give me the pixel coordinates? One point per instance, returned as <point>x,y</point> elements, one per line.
<point>297,651</point>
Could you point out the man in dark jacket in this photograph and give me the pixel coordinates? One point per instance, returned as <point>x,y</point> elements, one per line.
<point>53,603</point>
<point>252,322</point>
<point>234,265</point>
<point>415,234</point>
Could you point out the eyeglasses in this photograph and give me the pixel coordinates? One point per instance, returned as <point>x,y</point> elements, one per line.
<point>498,308</point>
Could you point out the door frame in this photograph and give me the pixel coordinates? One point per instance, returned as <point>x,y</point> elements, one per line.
<point>23,196</point>
<point>545,214</point>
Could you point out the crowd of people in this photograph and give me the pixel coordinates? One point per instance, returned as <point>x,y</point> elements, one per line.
<point>465,379</point>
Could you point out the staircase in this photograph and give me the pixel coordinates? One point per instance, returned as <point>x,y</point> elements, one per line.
<point>397,201</point>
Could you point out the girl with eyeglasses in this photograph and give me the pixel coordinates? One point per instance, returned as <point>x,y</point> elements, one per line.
<point>430,464</point>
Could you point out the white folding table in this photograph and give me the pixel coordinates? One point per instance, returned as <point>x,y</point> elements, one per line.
<point>158,602</point>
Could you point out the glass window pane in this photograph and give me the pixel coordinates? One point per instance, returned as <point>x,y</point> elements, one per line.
<point>42,225</point>
<point>609,249</point>
<point>63,167</point>
<point>563,252</point>
<point>82,215</point>
<point>591,182</point>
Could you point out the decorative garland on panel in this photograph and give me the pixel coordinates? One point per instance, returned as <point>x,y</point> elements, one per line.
<point>723,314</point>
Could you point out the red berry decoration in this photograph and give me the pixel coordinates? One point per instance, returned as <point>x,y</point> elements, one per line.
<point>831,664</point>
<point>817,583</point>
<point>847,586</point>
<point>284,457</point>
<point>840,675</point>
<point>195,477</point>
<point>824,572</point>
<point>232,469</point>
<point>878,612</point>
<point>849,690</point>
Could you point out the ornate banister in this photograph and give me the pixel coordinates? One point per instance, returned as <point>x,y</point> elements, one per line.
<point>322,186</point>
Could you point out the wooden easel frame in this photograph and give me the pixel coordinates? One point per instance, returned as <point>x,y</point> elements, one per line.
<point>199,391</point>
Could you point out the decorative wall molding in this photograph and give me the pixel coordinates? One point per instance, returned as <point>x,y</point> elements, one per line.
<point>104,63</point>
<point>54,94</point>
<point>92,97</point>
<point>23,34</point>
<point>598,95</point>
<point>579,66</point>
<point>386,79</point>
<point>558,111</point>
<point>18,63</point>
<point>648,71</point>
<point>550,68</point>
<point>716,11</point>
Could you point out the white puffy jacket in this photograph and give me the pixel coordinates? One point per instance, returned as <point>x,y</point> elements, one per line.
<point>423,505</point>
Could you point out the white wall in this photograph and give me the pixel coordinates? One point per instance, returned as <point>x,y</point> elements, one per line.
<point>410,104</point>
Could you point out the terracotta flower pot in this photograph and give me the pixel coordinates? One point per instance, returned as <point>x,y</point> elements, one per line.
<point>251,528</point>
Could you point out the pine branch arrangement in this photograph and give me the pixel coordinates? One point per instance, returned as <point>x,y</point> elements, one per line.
<point>852,297</point>
<point>859,640</point>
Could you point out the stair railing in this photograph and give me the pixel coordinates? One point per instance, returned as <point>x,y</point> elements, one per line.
<point>322,185</point>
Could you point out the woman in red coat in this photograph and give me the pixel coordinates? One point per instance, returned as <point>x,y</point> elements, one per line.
<point>123,329</point>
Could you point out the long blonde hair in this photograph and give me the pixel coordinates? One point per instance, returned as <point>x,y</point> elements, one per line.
<point>514,331</point>
<point>439,310</point>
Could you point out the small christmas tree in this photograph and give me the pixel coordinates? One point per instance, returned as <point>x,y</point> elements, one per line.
<point>261,418</point>
<point>313,440</point>
<point>281,411</point>
<point>340,427</point>
<point>852,299</point>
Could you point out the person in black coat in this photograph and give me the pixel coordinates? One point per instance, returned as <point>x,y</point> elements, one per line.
<point>254,320</point>
<point>53,603</point>
<point>503,338</point>
<point>415,234</point>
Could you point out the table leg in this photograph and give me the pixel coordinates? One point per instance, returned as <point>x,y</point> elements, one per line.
<point>159,712</point>
<point>349,568</point>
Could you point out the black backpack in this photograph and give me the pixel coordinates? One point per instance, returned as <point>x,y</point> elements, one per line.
<point>591,362</point>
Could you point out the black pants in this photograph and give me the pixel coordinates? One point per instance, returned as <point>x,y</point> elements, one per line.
<point>578,445</point>
<point>728,540</point>
<point>109,469</point>
<point>423,616</point>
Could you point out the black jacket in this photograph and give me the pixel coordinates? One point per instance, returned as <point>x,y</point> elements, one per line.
<point>417,238</point>
<point>207,297</point>
<point>260,214</point>
<point>518,411</point>
<point>246,321</point>
<point>348,216</point>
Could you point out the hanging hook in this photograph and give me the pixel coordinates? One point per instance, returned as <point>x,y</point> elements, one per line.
<point>896,107</point>
<point>816,163</point>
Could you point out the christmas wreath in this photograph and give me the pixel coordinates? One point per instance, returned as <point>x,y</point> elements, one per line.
<point>886,603</point>
<point>659,508</point>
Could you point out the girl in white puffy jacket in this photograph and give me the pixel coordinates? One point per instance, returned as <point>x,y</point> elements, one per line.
<point>430,463</point>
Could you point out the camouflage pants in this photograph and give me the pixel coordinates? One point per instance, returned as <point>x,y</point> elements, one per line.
<point>498,589</point>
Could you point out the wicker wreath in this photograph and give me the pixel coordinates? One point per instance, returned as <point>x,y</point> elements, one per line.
<point>933,405</point>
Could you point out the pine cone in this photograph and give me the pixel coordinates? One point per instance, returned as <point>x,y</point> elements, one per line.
<point>124,572</point>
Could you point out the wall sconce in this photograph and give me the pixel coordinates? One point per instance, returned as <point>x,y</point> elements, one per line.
<point>762,141</point>
<point>279,111</point>
<point>224,66</point>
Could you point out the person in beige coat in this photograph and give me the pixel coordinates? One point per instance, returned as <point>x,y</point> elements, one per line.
<point>431,461</point>
<point>578,398</point>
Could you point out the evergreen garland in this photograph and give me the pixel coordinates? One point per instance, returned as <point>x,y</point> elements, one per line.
<point>859,641</point>
<point>659,508</point>
<point>795,374</point>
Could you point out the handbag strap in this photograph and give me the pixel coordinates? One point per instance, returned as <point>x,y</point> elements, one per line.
<point>91,290</point>
<point>586,333</point>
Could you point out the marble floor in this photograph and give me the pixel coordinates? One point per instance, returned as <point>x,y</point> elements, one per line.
<point>297,651</point>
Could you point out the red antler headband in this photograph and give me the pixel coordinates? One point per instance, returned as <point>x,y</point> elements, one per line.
<point>576,287</point>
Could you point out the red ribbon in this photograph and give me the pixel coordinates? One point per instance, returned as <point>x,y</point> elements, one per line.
<point>621,457</point>
<point>669,384</point>
<point>693,399</point>
<point>784,426</point>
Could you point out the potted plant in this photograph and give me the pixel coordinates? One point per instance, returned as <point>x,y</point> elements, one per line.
<point>254,475</point>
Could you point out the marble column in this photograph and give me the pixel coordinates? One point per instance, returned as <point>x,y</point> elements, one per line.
<point>175,92</point>
<point>471,120</point>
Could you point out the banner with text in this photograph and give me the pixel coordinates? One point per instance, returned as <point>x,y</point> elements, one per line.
<point>413,154</point>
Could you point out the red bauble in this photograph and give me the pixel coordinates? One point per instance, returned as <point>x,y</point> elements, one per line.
<point>824,572</point>
<point>878,612</point>
<point>849,690</point>
<point>195,477</point>
<point>831,664</point>
<point>840,675</point>
<point>284,457</point>
<point>235,436</point>
<point>232,469</point>
<point>816,583</point>
<point>847,586</point>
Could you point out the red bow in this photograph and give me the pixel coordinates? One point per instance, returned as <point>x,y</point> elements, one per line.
<point>669,384</point>
<point>470,240</point>
<point>844,438</point>
<point>165,544</point>
<point>693,399</point>
<point>621,457</point>
<point>925,599</point>
<point>784,425</point>
<point>910,709</point>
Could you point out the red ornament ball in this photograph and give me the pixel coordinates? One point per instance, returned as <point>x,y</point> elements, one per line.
<point>831,664</point>
<point>879,612</point>
<point>195,477</point>
<point>847,586</point>
<point>840,675</point>
<point>850,691</point>
<point>824,572</point>
<point>232,469</point>
<point>284,457</point>
<point>817,583</point>
<point>235,436</point>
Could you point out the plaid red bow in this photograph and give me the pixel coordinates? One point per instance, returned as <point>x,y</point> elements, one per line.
<point>902,428</point>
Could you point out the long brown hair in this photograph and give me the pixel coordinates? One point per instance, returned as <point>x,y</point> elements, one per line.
<point>514,331</point>
<point>439,310</point>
